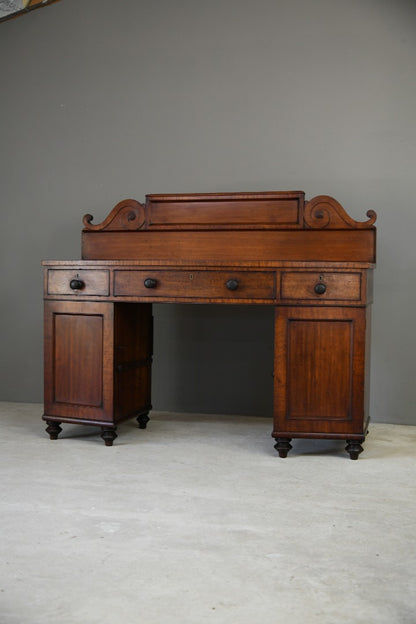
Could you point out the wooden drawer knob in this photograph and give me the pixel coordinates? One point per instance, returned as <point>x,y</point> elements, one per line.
<point>76,284</point>
<point>150,282</point>
<point>232,284</point>
<point>320,288</point>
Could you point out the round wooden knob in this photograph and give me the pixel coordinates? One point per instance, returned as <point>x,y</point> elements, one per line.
<point>150,282</point>
<point>76,284</point>
<point>232,284</point>
<point>320,288</point>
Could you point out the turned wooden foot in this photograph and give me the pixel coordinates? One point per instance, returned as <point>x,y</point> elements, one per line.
<point>283,446</point>
<point>354,448</point>
<point>143,419</point>
<point>108,435</point>
<point>53,428</point>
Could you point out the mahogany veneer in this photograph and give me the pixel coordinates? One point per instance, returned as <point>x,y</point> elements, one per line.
<point>309,260</point>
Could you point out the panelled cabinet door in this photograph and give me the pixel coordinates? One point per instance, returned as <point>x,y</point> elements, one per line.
<point>79,355</point>
<point>319,370</point>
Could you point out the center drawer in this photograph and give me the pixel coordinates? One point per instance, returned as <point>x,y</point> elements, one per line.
<point>184,284</point>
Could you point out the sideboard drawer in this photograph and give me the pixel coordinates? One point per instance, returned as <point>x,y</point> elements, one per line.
<point>198,284</point>
<point>313,285</point>
<point>82,282</point>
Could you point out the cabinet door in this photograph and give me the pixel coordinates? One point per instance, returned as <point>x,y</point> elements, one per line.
<point>319,371</point>
<point>79,355</point>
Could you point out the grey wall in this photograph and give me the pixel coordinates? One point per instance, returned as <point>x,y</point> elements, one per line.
<point>105,100</point>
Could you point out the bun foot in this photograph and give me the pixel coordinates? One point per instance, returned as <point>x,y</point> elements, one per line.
<point>53,428</point>
<point>143,419</point>
<point>108,435</point>
<point>354,448</point>
<point>283,446</point>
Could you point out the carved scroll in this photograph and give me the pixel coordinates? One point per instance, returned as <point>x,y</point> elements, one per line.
<point>324,212</point>
<point>127,215</point>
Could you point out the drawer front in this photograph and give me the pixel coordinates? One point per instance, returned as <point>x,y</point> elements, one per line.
<point>311,285</point>
<point>78,282</point>
<point>189,284</point>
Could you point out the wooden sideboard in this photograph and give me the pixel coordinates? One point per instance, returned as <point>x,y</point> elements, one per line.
<point>308,259</point>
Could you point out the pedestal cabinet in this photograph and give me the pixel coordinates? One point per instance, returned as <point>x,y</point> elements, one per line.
<point>97,364</point>
<point>320,375</point>
<point>310,261</point>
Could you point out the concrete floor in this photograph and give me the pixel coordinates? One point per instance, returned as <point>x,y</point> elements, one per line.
<point>198,520</point>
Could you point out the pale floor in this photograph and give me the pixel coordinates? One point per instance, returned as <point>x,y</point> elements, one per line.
<point>198,520</point>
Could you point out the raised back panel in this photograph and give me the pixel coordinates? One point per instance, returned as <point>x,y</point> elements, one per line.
<point>246,247</point>
<point>225,210</point>
<point>233,227</point>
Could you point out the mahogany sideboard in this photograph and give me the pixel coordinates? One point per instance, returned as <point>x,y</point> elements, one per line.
<point>308,259</point>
